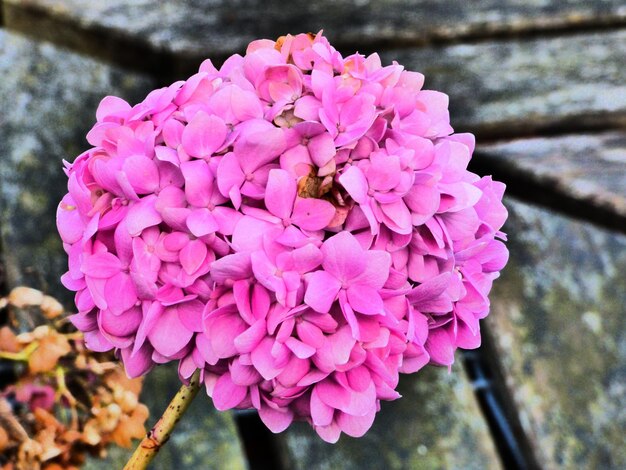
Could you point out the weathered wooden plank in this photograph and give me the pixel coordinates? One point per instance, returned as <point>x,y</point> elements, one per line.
<point>48,99</point>
<point>436,424</point>
<point>521,87</point>
<point>583,174</point>
<point>559,319</point>
<point>180,33</point>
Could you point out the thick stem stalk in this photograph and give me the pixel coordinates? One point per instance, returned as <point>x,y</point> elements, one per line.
<point>160,433</point>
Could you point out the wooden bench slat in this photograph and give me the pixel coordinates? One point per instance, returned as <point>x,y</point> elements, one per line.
<point>178,34</point>
<point>583,175</point>
<point>519,87</point>
<point>558,318</point>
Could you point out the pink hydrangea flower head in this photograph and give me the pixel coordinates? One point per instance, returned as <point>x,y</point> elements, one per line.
<point>299,226</point>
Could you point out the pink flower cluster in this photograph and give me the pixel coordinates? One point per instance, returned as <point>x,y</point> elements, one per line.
<point>299,226</point>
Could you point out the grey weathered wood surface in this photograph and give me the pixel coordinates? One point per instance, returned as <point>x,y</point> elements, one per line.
<point>180,31</point>
<point>582,174</point>
<point>559,318</point>
<point>546,79</point>
<point>501,89</point>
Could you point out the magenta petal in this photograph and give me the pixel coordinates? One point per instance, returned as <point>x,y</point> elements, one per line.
<point>120,293</point>
<point>96,341</point>
<point>365,299</point>
<point>440,346</point>
<point>142,173</point>
<point>312,214</point>
<point>333,394</point>
<point>101,265</point>
<point>142,215</point>
<point>263,361</point>
<point>138,363</point>
<point>248,340</point>
<point>201,222</point>
<point>356,426</point>
<point>321,413</point>
<point>232,267</point>
<point>276,420</point>
<point>354,181</point>
<point>198,182</point>
<point>300,349</point>
<point>226,394</point>
<point>204,135</point>
<point>280,193</point>
<point>193,255</point>
<point>168,335</point>
<point>343,256</point>
<point>321,291</point>
<point>190,315</point>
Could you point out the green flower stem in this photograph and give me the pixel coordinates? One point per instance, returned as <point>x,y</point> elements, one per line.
<point>160,433</point>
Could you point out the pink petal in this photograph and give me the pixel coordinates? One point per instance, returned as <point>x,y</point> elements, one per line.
<point>142,173</point>
<point>280,193</point>
<point>112,107</point>
<point>440,346</point>
<point>204,135</point>
<point>120,293</point>
<point>376,272</point>
<point>321,291</point>
<point>248,340</point>
<point>142,214</point>
<point>226,394</point>
<point>139,363</point>
<point>193,255</point>
<point>231,268</point>
<point>229,174</point>
<point>198,182</point>
<point>95,341</point>
<point>190,315</point>
<point>276,420</point>
<point>263,361</point>
<point>330,433</point>
<point>300,349</point>
<point>201,222</point>
<point>69,221</point>
<point>333,394</point>
<point>365,299</point>
<point>343,256</point>
<point>321,413</point>
<point>169,335</point>
<point>353,180</point>
<point>322,149</point>
<point>384,173</point>
<point>101,265</point>
<point>242,374</point>
<point>312,214</point>
<point>356,426</point>
<point>259,143</point>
